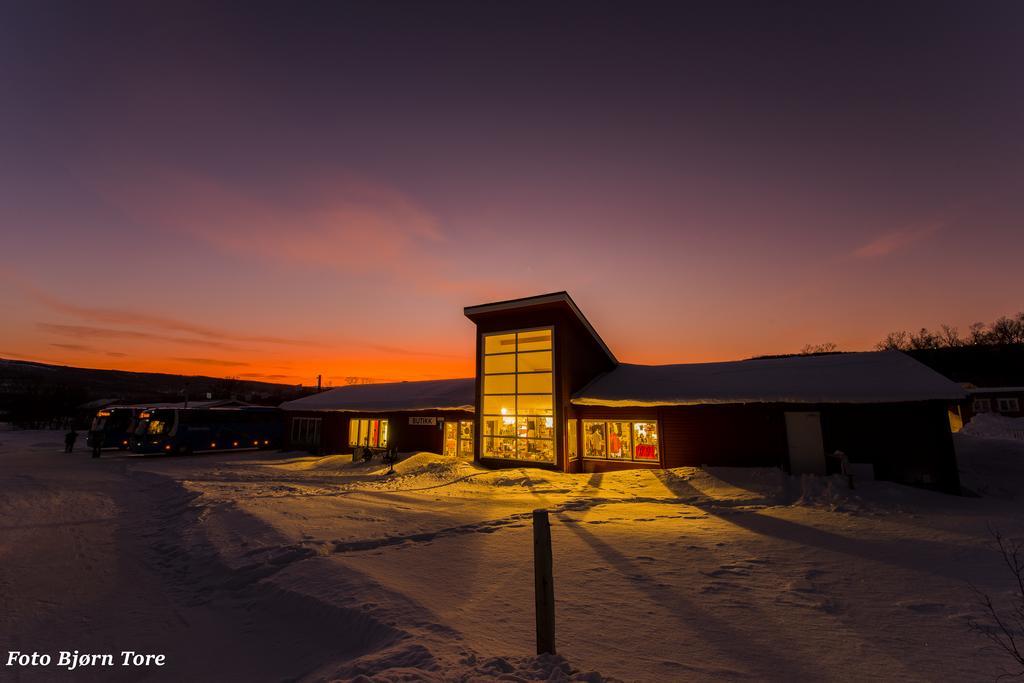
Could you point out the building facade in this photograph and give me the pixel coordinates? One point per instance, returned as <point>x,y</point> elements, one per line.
<point>549,393</point>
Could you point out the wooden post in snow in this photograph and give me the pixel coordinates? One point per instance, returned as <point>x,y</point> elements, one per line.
<point>543,583</point>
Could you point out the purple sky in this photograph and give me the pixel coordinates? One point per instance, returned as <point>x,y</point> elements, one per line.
<point>277,190</point>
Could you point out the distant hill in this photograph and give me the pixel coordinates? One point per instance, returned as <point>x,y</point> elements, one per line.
<point>35,393</point>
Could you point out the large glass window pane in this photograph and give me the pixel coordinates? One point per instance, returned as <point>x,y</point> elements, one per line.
<point>364,432</point>
<point>535,384</point>
<point>645,440</point>
<point>500,405</point>
<point>499,343</point>
<point>536,361</point>
<point>499,384</point>
<point>535,428</point>
<point>517,396</point>
<point>496,364</point>
<point>499,448</point>
<point>535,405</point>
<point>571,442</point>
<point>540,450</point>
<point>383,433</point>
<point>619,439</point>
<point>535,340</point>
<point>353,432</point>
<point>499,426</point>
<point>594,439</point>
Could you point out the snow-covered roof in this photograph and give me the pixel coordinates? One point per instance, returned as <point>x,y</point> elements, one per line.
<point>871,377</point>
<point>437,394</point>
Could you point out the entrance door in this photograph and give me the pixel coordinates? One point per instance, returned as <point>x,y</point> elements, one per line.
<point>806,448</point>
<point>466,439</point>
<point>451,438</point>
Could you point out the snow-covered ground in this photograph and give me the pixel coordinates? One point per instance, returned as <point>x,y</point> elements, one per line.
<point>263,566</point>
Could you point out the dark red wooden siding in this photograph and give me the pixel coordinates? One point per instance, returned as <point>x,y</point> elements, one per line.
<point>407,437</point>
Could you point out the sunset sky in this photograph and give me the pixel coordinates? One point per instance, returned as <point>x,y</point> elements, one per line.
<point>272,191</point>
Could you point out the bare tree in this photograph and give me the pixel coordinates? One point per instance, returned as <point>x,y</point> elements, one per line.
<point>894,341</point>
<point>951,336</point>
<point>925,339</point>
<point>810,349</point>
<point>979,335</point>
<point>1008,330</point>
<point>1004,624</point>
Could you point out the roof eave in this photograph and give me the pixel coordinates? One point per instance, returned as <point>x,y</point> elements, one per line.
<point>540,300</point>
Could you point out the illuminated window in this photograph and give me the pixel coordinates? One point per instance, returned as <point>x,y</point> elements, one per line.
<point>458,439</point>
<point>466,439</point>
<point>645,441</point>
<point>368,432</point>
<point>572,440</point>
<point>621,440</point>
<point>518,406</point>
<point>451,438</point>
<point>595,439</point>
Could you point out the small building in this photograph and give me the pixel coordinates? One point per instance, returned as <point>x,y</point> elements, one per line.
<point>993,376</point>
<point>433,415</point>
<point>1006,401</point>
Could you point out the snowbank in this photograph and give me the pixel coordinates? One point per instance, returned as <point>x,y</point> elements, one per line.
<point>990,426</point>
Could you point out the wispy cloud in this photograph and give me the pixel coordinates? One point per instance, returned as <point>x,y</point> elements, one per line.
<point>73,347</point>
<point>93,332</point>
<point>84,348</point>
<point>260,375</point>
<point>212,361</point>
<point>205,334</point>
<point>319,217</point>
<point>897,240</point>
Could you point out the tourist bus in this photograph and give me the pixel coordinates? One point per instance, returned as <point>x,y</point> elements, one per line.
<point>204,430</point>
<point>113,427</point>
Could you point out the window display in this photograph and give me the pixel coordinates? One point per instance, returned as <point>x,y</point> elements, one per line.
<point>621,440</point>
<point>595,438</point>
<point>517,415</point>
<point>367,432</point>
<point>466,439</point>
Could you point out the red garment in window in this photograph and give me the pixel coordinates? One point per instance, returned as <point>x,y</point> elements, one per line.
<point>646,452</point>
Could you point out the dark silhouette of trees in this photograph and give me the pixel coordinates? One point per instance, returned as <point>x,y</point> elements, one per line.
<point>811,349</point>
<point>1003,331</point>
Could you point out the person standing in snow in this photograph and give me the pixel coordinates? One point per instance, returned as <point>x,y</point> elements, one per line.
<point>69,441</point>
